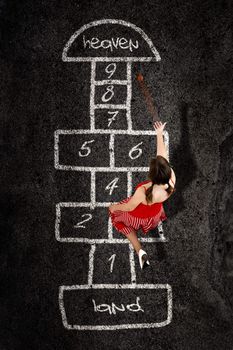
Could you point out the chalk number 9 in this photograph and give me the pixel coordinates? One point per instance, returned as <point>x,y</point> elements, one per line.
<point>110,69</point>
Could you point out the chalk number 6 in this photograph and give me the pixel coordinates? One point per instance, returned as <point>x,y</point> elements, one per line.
<point>135,151</point>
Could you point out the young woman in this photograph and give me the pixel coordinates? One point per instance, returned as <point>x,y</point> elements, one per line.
<point>144,209</point>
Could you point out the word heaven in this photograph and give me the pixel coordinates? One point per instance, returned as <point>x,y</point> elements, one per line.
<point>112,44</point>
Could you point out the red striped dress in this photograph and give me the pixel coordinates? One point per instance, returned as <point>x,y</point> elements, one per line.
<point>145,217</point>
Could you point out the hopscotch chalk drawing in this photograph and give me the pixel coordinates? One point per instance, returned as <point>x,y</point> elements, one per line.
<point>107,309</point>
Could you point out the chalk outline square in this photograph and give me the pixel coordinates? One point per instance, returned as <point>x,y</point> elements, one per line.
<point>117,326</point>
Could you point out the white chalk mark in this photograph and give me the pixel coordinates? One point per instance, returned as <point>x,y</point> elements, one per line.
<point>59,132</point>
<point>129,184</point>
<point>129,96</point>
<point>113,118</point>
<point>93,190</point>
<point>110,71</point>
<point>110,106</point>
<point>134,286</point>
<point>105,240</point>
<point>101,169</point>
<point>79,239</point>
<point>112,259</point>
<point>136,150</point>
<point>132,264</point>
<point>113,43</point>
<point>62,307</point>
<point>58,222</point>
<point>112,185</point>
<point>111,151</point>
<point>111,82</point>
<point>92,96</point>
<point>110,230</point>
<point>86,149</point>
<point>83,204</point>
<point>91,264</point>
<point>111,59</point>
<point>66,58</point>
<point>56,149</point>
<point>80,223</point>
<point>109,94</point>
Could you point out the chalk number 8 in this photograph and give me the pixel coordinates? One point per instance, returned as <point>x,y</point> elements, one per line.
<point>108,95</point>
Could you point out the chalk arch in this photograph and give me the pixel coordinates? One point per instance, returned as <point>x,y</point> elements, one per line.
<point>154,57</point>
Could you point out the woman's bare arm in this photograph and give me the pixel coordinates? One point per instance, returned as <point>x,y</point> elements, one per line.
<point>161,148</point>
<point>135,200</point>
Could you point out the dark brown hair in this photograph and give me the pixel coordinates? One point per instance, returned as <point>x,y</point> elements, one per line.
<point>160,174</point>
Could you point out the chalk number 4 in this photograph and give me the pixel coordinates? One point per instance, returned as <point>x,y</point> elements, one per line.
<point>112,185</point>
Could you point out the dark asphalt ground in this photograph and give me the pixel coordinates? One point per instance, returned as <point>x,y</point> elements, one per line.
<point>192,86</point>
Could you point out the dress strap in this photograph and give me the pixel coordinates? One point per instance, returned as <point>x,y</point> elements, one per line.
<point>141,184</point>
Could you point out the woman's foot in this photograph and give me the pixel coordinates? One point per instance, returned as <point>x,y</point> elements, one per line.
<point>143,259</point>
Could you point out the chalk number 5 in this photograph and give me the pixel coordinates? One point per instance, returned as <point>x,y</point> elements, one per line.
<point>85,150</point>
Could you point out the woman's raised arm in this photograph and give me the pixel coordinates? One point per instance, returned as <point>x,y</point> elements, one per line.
<point>161,149</point>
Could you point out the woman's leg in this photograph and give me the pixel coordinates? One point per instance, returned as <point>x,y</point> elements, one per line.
<point>133,238</point>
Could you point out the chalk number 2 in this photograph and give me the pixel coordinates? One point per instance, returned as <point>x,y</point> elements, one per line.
<point>80,223</point>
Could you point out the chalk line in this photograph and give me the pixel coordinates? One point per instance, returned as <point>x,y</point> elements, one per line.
<point>129,183</point>
<point>79,239</point>
<point>155,54</point>
<point>110,230</point>
<point>111,82</point>
<point>129,97</point>
<point>91,264</point>
<point>132,264</point>
<point>92,96</point>
<point>105,240</point>
<point>112,151</point>
<point>59,132</point>
<point>134,286</point>
<point>93,190</point>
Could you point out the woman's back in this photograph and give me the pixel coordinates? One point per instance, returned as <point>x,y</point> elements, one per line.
<point>159,193</point>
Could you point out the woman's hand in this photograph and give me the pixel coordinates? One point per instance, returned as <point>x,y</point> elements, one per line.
<point>159,126</point>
